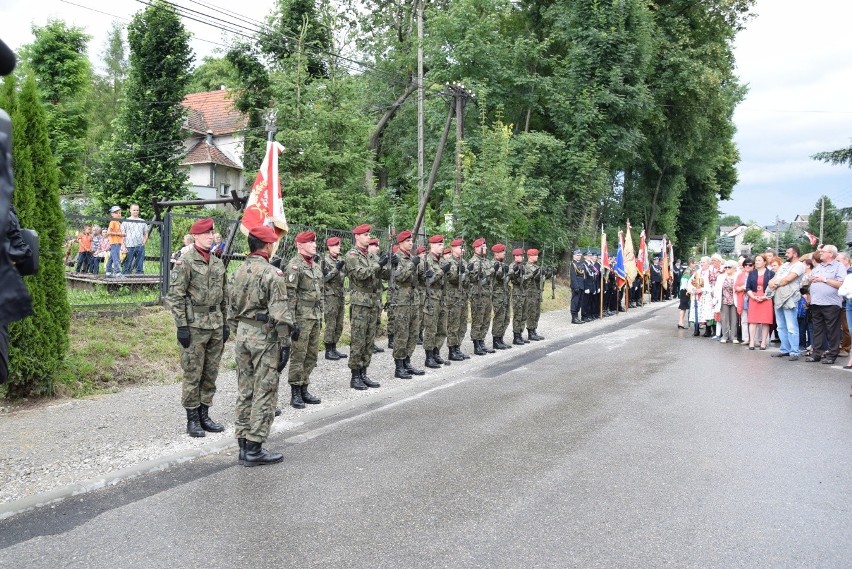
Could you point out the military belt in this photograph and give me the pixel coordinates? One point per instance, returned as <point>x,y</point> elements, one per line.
<point>206,307</point>
<point>250,322</point>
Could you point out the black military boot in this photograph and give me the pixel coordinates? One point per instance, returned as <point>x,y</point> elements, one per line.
<point>518,339</point>
<point>309,398</point>
<point>355,382</point>
<point>330,353</point>
<point>533,335</point>
<point>479,348</point>
<point>390,341</point>
<point>411,369</point>
<point>367,381</point>
<point>241,442</point>
<point>497,344</point>
<point>336,353</point>
<point>206,422</point>
<point>575,319</point>
<point>430,359</point>
<point>400,370</point>
<point>296,400</point>
<point>436,355</point>
<point>256,456</point>
<point>193,426</point>
<point>377,350</point>
<point>485,347</point>
<point>455,355</point>
<point>504,345</point>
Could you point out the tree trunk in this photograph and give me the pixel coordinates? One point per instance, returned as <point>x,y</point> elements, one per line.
<point>373,144</point>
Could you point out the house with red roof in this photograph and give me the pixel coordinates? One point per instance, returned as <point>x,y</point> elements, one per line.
<point>214,145</point>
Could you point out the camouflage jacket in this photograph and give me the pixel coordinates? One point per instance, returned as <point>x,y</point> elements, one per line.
<point>198,291</point>
<point>482,277</point>
<point>435,284</point>
<point>516,277</point>
<point>363,270</point>
<point>304,289</point>
<point>333,278</point>
<point>456,291</point>
<point>533,280</point>
<point>501,281</point>
<point>405,280</point>
<point>259,299</point>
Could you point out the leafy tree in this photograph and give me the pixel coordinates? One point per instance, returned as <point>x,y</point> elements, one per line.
<point>730,221</point>
<point>38,344</point>
<point>212,74</point>
<point>58,60</point>
<point>833,227</point>
<point>292,27</point>
<point>142,159</point>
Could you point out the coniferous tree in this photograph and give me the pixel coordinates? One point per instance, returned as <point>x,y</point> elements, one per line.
<point>142,160</point>
<point>38,344</point>
<point>833,227</point>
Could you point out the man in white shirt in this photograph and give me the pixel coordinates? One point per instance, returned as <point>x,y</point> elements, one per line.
<point>135,236</point>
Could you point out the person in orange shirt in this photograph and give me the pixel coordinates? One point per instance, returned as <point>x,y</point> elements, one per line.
<point>116,238</point>
<point>84,250</point>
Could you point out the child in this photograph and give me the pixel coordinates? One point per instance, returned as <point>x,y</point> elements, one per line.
<point>84,250</point>
<point>116,238</point>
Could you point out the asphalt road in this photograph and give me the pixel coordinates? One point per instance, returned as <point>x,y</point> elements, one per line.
<point>632,447</point>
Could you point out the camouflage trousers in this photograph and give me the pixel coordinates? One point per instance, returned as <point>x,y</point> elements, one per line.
<point>434,325</point>
<point>457,322</point>
<point>257,383</point>
<point>405,330</point>
<point>532,309</point>
<point>200,363</point>
<point>303,353</point>
<point>391,310</point>
<point>500,304</point>
<point>364,327</point>
<point>519,314</point>
<point>333,315</point>
<point>480,316</point>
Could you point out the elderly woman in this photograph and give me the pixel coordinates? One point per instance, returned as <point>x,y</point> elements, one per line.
<point>726,302</point>
<point>700,291</point>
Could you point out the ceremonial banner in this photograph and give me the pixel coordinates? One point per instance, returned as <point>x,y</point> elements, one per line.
<point>265,205</point>
<point>642,258</point>
<point>618,267</point>
<point>604,252</point>
<point>629,257</point>
<point>666,271</point>
<point>811,237</point>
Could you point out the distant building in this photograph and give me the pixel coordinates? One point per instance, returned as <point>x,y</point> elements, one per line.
<point>214,146</point>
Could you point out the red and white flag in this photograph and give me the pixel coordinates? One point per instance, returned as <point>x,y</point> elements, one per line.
<point>604,252</point>
<point>265,205</point>
<point>629,257</point>
<point>642,258</point>
<point>811,237</point>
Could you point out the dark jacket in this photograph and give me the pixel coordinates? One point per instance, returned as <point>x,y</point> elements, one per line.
<point>751,282</point>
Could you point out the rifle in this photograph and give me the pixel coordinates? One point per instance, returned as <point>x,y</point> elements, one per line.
<point>541,270</point>
<point>553,276</point>
<point>391,277</point>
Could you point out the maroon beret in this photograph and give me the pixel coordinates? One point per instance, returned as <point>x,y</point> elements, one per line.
<point>201,226</point>
<point>498,247</point>
<point>447,250</point>
<point>533,252</point>
<point>436,239</point>
<point>264,233</point>
<point>332,241</point>
<point>518,251</point>
<point>364,228</point>
<point>403,235</point>
<point>306,237</point>
<point>374,241</point>
<point>420,249</point>
<point>478,242</point>
<point>395,248</point>
<point>457,242</point>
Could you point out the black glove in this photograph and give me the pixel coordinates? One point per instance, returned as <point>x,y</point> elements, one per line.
<point>183,336</point>
<point>276,262</point>
<point>283,358</point>
<point>445,267</point>
<point>226,333</point>
<point>295,333</point>
<point>517,269</point>
<point>339,264</point>
<point>462,268</point>
<point>383,260</point>
<point>497,265</point>
<point>429,274</point>
<point>325,270</point>
<point>536,272</point>
<point>394,261</point>
<point>470,266</point>
<point>416,260</point>
<point>316,258</point>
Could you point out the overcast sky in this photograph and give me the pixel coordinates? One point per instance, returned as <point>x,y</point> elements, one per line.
<point>794,56</point>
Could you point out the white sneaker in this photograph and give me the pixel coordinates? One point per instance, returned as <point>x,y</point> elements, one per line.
<point>723,341</point>
<point>735,342</point>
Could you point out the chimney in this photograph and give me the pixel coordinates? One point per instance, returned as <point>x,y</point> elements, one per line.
<point>209,138</point>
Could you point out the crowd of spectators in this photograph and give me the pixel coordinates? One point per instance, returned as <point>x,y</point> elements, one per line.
<point>800,299</point>
<point>120,246</point>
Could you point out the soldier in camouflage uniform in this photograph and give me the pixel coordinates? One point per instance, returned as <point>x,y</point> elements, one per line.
<point>533,284</point>
<point>500,298</point>
<point>373,249</point>
<point>435,310</point>
<point>421,291</point>
<point>304,290</point>
<point>517,270</point>
<point>389,302</point>
<point>363,270</point>
<point>456,301</point>
<point>262,322</point>
<point>334,298</point>
<point>405,306</point>
<point>481,283</point>
<point>198,297</point>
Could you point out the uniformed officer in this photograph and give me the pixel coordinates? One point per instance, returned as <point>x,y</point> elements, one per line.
<point>577,274</point>
<point>457,305</point>
<point>500,298</point>
<point>533,286</point>
<point>435,310</point>
<point>304,289</point>
<point>405,306</point>
<point>389,301</point>
<point>198,293</point>
<point>334,297</point>
<point>598,288</point>
<point>481,284</point>
<point>656,280</point>
<point>589,287</point>
<point>517,272</point>
<point>363,270</point>
<point>262,320</point>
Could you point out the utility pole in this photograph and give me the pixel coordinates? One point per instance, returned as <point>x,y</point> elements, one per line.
<point>462,95</point>
<point>821,219</point>
<point>777,235</point>
<point>421,194</point>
